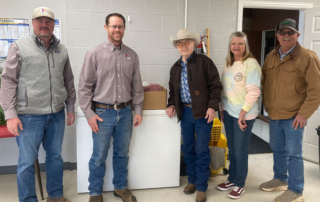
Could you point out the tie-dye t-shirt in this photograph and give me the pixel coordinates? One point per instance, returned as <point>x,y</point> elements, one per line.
<point>241,88</point>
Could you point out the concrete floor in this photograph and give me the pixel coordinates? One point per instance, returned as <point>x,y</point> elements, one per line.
<point>260,170</point>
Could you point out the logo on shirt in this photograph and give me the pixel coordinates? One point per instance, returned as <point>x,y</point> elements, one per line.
<point>57,51</point>
<point>128,57</point>
<point>238,77</point>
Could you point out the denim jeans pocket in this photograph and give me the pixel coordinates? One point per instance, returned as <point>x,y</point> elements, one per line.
<point>129,106</point>
<point>100,110</point>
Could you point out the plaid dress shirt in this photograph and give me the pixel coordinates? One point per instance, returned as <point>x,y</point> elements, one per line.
<point>184,86</point>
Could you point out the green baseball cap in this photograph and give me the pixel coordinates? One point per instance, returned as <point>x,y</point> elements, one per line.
<point>289,23</point>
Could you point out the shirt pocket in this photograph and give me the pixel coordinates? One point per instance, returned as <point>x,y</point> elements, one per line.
<point>290,74</point>
<point>127,68</point>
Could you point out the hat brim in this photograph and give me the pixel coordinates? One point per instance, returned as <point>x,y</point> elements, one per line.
<point>194,36</point>
<point>47,16</point>
<point>289,28</point>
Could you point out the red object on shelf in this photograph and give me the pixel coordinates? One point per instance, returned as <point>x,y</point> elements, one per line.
<point>4,132</point>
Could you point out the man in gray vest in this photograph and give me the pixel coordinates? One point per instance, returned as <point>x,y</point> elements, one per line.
<point>37,85</point>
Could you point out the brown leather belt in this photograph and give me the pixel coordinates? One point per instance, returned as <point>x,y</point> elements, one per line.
<point>113,106</point>
<point>187,105</point>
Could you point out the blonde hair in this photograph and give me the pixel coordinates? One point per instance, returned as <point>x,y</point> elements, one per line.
<point>247,54</point>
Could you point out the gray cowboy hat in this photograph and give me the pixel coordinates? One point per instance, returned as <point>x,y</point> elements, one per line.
<point>185,34</point>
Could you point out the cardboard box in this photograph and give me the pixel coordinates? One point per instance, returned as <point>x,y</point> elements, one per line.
<point>154,100</point>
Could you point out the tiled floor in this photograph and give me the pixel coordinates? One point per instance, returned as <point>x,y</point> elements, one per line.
<point>260,170</point>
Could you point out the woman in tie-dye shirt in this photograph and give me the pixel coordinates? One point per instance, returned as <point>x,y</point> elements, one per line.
<point>239,107</point>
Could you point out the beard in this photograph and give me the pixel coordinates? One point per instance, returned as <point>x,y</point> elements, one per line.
<point>44,35</point>
<point>115,39</point>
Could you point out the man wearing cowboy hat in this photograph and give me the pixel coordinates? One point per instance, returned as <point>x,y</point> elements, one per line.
<point>37,86</point>
<point>195,91</point>
<point>291,94</point>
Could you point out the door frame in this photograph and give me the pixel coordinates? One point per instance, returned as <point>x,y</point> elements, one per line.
<point>268,5</point>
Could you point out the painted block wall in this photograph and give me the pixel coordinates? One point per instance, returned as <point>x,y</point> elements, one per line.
<point>153,22</point>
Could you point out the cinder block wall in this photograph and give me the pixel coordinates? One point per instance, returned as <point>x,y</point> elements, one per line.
<point>152,24</point>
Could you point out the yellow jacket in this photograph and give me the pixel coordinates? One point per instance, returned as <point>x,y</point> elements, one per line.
<point>292,85</point>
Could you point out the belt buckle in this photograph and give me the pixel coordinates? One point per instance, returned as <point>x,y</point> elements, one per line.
<point>116,107</point>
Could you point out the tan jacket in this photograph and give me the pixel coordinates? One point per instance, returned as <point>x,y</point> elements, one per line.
<point>292,85</point>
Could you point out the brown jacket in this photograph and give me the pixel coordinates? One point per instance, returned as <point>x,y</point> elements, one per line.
<point>292,85</point>
<point>204,84</point>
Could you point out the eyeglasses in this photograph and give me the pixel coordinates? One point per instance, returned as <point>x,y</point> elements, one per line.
<point>180,44</point>
<point>290,33</point>
<point>47,22</point>
<point>115,27</point>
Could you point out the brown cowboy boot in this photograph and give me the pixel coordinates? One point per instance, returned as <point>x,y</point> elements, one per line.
<point>201,196</point>
<point>125,195</point>
<point>189,189</point>
<point>95,198</point>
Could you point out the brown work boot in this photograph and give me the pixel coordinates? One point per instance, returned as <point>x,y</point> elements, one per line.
<point>289,196</point>
<point>95,198</point>
<point>59,199</point>
<point>125,195</point>
<point>274,185</point>
<point>201,196</point>
<point>189,189</point>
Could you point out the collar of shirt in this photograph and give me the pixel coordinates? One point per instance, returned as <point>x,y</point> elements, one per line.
<point>43,44</point>
<point>113,47</point>
<point>285,54</point>
<point>185,63</point>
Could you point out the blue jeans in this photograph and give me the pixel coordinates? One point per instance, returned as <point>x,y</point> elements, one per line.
<point>286,144</point>
<point>117,124</point>
<point>238,142</point>
<point>47,129</point>
<point>196,152</point>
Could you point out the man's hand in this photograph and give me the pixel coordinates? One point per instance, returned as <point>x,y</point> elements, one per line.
<point>211,114</point>
<point>70,118</point>
<point>137,120</point>
<point>12,125</point>
<point>171,111</point>
<point>299,120</point>
<point>93,123</point>
<point>242,121</point>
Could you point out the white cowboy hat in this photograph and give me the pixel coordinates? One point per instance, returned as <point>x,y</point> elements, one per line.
<point>185,34</point>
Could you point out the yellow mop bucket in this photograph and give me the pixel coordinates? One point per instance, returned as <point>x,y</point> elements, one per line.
<point>222,143</point>
<point>219,140</point>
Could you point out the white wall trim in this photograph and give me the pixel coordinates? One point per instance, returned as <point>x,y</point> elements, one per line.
<point>268,5</point>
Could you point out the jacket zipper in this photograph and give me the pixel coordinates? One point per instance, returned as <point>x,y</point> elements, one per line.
<point>50,82</point>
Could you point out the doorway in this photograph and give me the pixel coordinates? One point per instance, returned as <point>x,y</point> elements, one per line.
<point>309,38</point>
<point>257,21</point>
